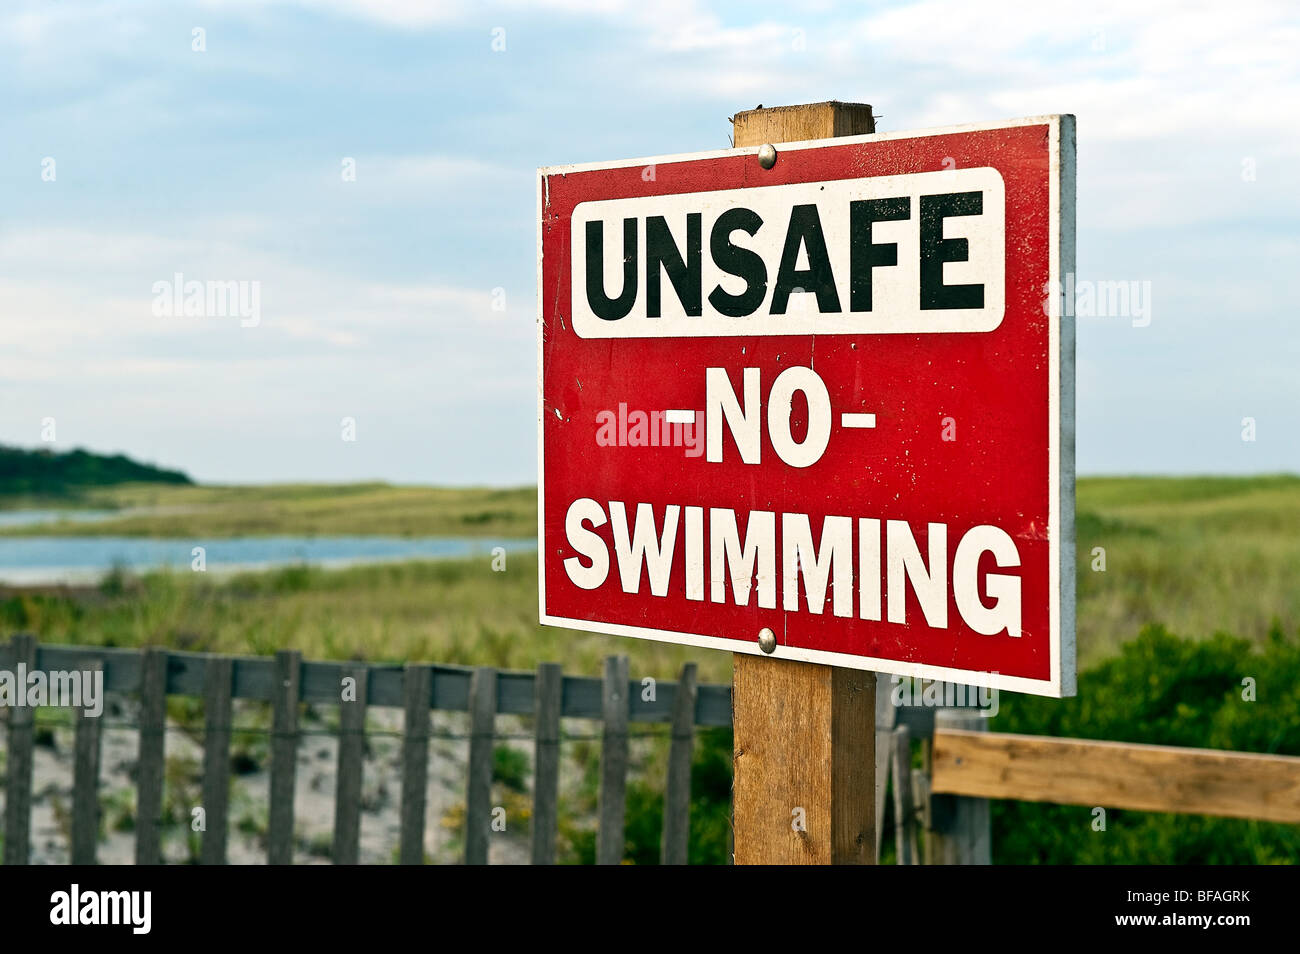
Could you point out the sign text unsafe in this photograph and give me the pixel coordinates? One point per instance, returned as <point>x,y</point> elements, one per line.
<point>866,342</point>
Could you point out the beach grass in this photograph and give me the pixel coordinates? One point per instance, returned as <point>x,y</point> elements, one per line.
<point>184,512</point>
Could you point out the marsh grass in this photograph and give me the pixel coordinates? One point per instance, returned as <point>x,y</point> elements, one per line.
<point>459,612</point>
<point>158,510</point>
<point>1199,555</point>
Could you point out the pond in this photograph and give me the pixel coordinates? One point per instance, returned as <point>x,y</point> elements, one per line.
<point>26,561</point>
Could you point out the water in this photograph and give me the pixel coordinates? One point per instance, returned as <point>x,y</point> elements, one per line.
<point>43,560</point>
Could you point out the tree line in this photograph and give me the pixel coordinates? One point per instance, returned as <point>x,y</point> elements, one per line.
<point>46,472</point>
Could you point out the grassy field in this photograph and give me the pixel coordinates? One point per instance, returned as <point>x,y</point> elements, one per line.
<point>446,611</point>
<point>157,510</point>
<point>1199,555</point>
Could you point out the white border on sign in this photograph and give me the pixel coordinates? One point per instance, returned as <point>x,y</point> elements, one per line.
<point>1061,252</point>
<point>1062,198</point>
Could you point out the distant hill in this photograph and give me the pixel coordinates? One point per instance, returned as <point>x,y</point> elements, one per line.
<point>44,472</point>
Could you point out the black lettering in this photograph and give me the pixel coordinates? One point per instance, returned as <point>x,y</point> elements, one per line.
<point>864,255</point>
<point>936,250</point>
<point>610,309</point>
<point>806,230</point>
<point>685,274</point>
<point>741,262</point>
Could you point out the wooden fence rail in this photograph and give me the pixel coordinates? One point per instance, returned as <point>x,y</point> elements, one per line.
<point>1153,778</point>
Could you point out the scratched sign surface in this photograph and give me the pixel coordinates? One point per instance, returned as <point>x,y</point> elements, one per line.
<point>832,399</point>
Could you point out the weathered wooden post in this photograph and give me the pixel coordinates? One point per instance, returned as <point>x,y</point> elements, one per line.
<point>958,828</point>
<point>18,786</point>
<point>151,764</point>
<point>904,803</point>
<point>804,789</point>
<point>85,781</point>
<point>284,756</point>
<point>675,844</point>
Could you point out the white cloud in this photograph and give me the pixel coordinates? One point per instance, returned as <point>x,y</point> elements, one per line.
<point>1170,97</point>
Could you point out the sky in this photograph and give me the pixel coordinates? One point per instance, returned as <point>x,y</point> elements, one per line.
<point>371,166</point>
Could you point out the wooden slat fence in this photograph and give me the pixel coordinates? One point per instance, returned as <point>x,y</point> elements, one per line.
<point>940,810</point>
<point>286,680</point>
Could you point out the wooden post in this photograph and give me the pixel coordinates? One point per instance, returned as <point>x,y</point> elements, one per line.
<point>151,764</point>
<point>958,829</point>
<point>548,702</point>
<point>886,716</point>
<point>418,691</point>
<point>612,797</point>
<point>675,845</point>
<point>85,781</point>
<point>904,802</point>
<point>218,683</point>
<point>351,769</point>
<point>805,765</point>
<point>18,787</point>
<point>284,755</point>
<point>482,741</point>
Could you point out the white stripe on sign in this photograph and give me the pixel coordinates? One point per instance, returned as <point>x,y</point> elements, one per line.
<point>679,417</point>
<point>858,420</point>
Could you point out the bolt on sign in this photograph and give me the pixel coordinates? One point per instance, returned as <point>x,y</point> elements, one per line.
<point>833,398</point>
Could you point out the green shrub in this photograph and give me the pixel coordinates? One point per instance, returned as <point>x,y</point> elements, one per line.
<point>511,767</point>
